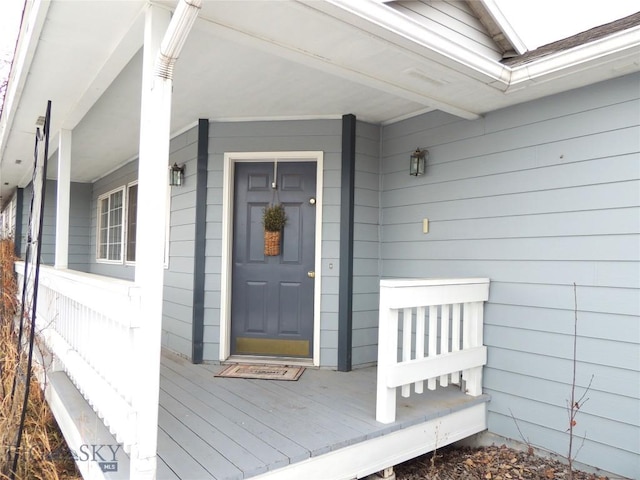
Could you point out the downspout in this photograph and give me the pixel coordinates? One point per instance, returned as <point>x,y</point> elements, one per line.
<point>181,23</point>
<point>155,127</point>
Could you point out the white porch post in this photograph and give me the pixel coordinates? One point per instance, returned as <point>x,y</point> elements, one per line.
<point>152,178</point>
<point>164,38</point>
<point>63,194</point>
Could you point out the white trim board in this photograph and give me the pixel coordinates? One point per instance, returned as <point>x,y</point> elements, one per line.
<point>365,458</point>
<point>230,159</point>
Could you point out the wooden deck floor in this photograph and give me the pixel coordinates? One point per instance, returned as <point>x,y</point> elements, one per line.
<point>225,428</point>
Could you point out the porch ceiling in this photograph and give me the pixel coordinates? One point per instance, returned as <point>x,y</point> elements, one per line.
<point>310,59</point>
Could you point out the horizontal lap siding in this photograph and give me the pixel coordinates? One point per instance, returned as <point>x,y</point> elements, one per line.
<point>48,222</point>
<point>366,273</point>
<point>177,311</point>
<point>26,205</point>
<point>536,197</point>
<point>453,17</point>
<point>79,224</point>
<point>307,135</point>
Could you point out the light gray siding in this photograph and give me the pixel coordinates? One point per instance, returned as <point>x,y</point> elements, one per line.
<point>310,135</point>
<point>80,226</point>
<point>366,274</point>
<point>48,222</point>
<point>451,18</point>
<point>26,205</point>
<point>177,312</point>
<point>79,229</point>
<point>536,197</point>
<point>9,217</point>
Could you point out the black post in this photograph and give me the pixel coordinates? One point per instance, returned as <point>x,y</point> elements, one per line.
<point>36,282</point>
<point>199,255</point>
<point>18,231</point>
<point>345,298</point>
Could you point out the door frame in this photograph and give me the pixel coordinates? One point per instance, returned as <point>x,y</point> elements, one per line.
<point>228,179</point>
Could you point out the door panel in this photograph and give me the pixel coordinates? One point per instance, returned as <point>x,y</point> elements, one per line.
<point>272,297</point>
<point>256,294</point>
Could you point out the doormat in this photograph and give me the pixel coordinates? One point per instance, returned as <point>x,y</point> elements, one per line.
<point>262,372</point>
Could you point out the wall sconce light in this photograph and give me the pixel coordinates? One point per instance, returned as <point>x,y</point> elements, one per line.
<point>176,175</point>
<point>417,162</point>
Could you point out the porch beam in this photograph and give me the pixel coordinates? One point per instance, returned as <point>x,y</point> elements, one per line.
<point>63,199</point>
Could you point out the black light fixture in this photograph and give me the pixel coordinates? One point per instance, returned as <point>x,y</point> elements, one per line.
<point>176,175</point>
<point>417,162</point>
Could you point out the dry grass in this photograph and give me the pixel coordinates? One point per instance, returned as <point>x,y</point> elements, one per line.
<point>487,463</point>
<point>43,453</point>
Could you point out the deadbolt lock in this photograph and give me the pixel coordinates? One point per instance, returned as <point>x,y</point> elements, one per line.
<point>311,274</point>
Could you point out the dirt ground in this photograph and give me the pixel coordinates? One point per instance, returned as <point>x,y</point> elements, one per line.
<point>486,463</point>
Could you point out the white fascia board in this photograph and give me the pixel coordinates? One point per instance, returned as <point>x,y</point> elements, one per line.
<point>379,14</point>
<point>28,39</point>
<point>501,77</point>
<point>505,26</point>
<point>567,62</point>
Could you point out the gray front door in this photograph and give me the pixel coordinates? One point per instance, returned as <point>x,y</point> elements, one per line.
<point>272,296</point>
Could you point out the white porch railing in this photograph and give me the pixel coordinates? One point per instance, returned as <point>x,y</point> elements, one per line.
<point>441,337</point>
<point>88,323</point>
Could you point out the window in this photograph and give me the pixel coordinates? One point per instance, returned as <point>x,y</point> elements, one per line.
<point>118,225</point>
<point>132,209</point>
<point>110,226</point>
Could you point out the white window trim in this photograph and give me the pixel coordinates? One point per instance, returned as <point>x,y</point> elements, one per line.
<point>122,236</point>
<point>126,224</point>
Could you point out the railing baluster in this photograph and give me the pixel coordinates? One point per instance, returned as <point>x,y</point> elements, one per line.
<point>433,340</point>
<point>444,339</point>
<point>466,332</point>
<point>406,343</point>
<point>420,332</point>
<point>455,339</point>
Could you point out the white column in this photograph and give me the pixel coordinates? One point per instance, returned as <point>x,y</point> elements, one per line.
<point>150,235</point>
<point>63,200</point>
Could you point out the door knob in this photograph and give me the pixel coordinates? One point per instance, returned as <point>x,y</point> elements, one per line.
<point>311,274</point>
